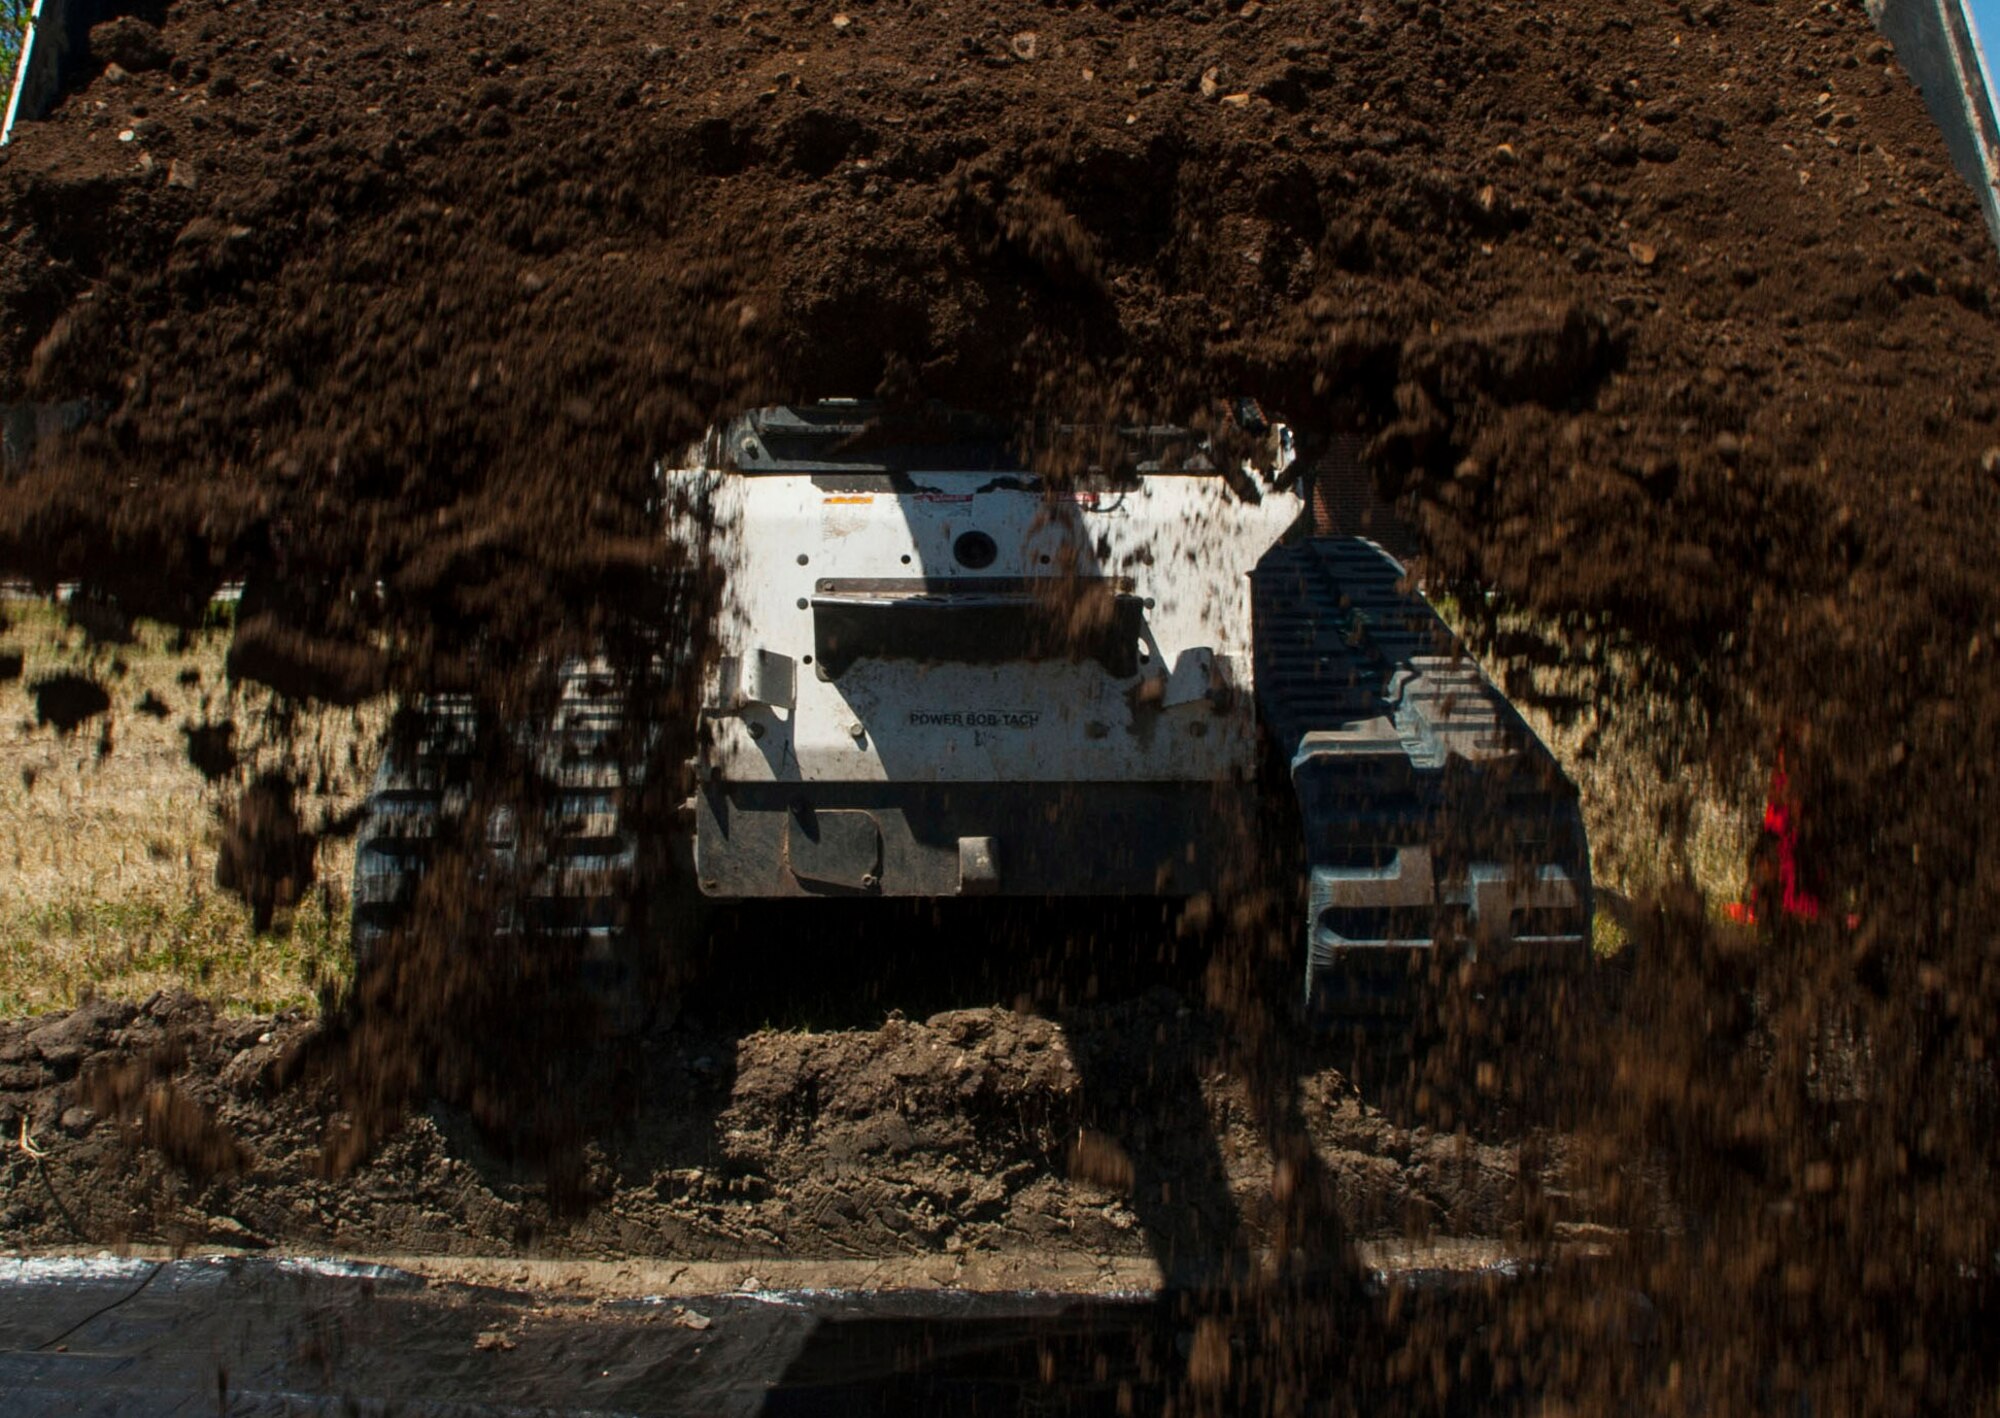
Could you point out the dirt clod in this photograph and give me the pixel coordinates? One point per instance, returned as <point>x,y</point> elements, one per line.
<point>130,44</point>
<point>266,855</point>
<point>211,748</point>
<point>67,700</point>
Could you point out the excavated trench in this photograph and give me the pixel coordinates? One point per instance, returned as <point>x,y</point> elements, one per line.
<point>1674,330</point>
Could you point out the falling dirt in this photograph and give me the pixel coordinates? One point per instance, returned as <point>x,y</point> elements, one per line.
<point>1672,327</point>
<point>267,855</point>
<point>68,700</point>
<point>211,747</point>
<point>263,649</point>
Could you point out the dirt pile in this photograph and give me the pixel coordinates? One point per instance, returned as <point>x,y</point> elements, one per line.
<point>1674,326</point>
<point>973,1134</point>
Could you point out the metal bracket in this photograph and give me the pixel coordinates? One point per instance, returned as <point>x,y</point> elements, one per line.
<point>760,677</point>
<point>1407,881</point>
<point>978,866</point>
<point>838,847</point>
<point>1192,677</point>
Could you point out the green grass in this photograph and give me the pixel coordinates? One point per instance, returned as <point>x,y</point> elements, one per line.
<point>58,952</point>
<point>1607,937</point>
<point>14,17</point>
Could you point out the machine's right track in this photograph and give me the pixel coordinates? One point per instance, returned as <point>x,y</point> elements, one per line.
<point>1430,812</point>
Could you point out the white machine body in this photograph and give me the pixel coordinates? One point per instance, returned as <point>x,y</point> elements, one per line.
<point>916,662</point>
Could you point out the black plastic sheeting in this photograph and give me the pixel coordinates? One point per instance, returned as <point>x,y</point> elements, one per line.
<point>256,1335</point>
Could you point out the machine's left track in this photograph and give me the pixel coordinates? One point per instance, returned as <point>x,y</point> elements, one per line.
<point>561,851</point>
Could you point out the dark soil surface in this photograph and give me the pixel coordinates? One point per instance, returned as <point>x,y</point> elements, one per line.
<point>1672,325</point>
<point>973,1133</point>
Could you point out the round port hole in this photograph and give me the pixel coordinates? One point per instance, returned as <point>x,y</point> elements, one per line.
<point>975,551</point>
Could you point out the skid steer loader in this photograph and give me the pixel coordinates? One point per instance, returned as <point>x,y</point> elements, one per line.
<point>941,672</point>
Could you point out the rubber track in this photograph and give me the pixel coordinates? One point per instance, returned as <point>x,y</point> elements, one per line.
<point>1342,640</point>
<point>585,848</point>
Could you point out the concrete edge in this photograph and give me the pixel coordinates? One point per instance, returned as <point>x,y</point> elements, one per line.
<point>1078,1274</point>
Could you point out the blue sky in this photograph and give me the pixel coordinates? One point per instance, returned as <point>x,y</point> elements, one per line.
<point>1986,20</point>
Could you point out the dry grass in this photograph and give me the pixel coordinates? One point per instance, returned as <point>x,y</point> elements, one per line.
<point>1655,817</point>
<point>108,836</point>
<point>1647,829</point>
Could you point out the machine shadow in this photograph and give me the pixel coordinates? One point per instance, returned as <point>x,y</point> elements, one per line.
<point>1131,989</point>
<point>1116,977</point>
<point>1146,1004</point>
